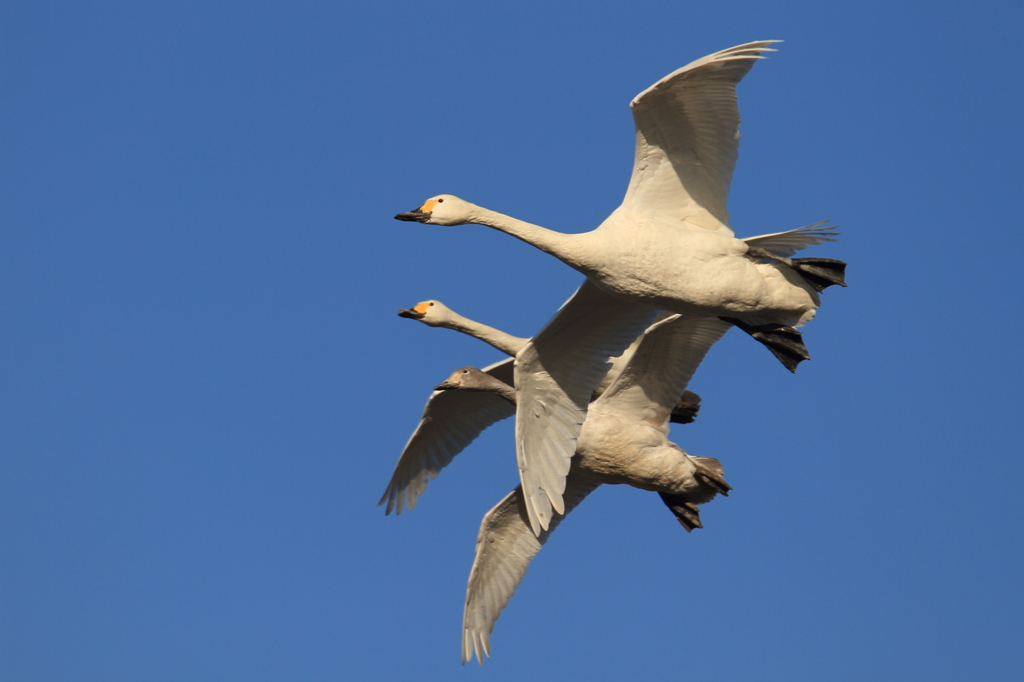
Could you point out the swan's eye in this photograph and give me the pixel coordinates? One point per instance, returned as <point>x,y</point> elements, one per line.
<point>431,305</point>
<point>440,201</point>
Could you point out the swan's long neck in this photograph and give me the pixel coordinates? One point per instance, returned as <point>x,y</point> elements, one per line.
<point>492,385</point>
<point>506,343</point>
<point>565,247</point>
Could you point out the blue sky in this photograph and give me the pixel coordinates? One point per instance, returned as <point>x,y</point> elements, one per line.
<point>204,385</point>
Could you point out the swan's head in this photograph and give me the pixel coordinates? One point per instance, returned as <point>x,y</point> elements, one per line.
<point>443,209</point>
<point>433,313</point>
<point>473,379</point>
<point>467,379</point>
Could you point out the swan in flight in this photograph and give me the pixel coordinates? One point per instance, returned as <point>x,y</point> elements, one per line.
<point>453,419</point>
<point>623,441</point>
<point>668,246</point>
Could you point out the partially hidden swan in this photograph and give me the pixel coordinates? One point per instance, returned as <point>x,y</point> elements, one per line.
<point>433,313</point>
<point>667,246</point>
<point>451,420</point>
<point>623,441</point>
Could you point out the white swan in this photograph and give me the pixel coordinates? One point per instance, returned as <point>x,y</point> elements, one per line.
<point>451,420</point>
<point>624,441</point>
<point>668,246</point>
<point>434,313</point>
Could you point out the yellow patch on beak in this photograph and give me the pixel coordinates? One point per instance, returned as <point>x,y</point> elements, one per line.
<point>429,206</point>
<point>421,308</point>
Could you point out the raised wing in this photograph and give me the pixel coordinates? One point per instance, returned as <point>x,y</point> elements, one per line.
<point>451,421</point>
<point>556,374</point>
<point>785,244</point>
<point>649,387</point>
<point>619,362</point>
<point>504,549</point>
<point>687,140</point>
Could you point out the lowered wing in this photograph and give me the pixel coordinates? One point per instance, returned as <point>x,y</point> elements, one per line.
<point>451,421</point>
<point>556,374</point>
<point>504,548</point>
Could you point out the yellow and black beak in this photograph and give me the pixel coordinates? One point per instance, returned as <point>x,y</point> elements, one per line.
<point>421,214</point>
<point>418,311</point>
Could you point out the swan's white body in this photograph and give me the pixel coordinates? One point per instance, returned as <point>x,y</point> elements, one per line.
<point>664,263</point>
<point>623,441</point>
<point>668,246</point>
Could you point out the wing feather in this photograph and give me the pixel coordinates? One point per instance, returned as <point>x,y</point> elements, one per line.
<point>785,244</point>
<point>555,377</point>
<point>658,373</point>
<point>687,139</point>
<point>504,548</point>
<point>451,421</point>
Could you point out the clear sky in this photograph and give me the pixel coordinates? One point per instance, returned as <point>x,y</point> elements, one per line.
<point>204,386</point>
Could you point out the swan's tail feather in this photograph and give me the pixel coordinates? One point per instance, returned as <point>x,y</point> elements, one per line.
<point>785,343</point>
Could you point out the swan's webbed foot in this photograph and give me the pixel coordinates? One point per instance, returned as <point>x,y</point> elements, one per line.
<point>711,478</point>
<point>686,512</point>
<point>821,273</point>
<point>785,343</point>
<point>684,411</point>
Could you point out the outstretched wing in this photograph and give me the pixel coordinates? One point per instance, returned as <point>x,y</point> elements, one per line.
<point>687,140</point>
<point>556,374</point>
<point>785,244</point>
<point>649,387</point>
<point>504,548</point>
<point>451,421</point>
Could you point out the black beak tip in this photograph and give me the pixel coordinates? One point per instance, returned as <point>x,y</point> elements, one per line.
<point>411,314</point>
<point>416,216</point>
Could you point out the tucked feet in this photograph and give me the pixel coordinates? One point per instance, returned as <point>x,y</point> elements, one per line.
<point>686,512</point>
<point>686,408</point>
<point>710,473</point>
<point>785,343</point>
<point>820,273</point>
